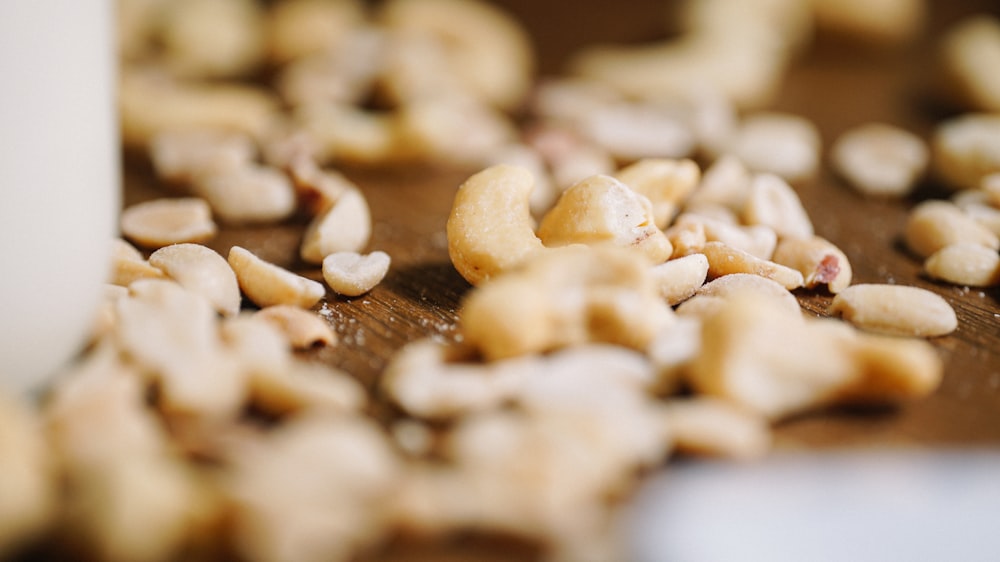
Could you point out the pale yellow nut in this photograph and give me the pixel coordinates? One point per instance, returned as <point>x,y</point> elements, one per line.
<point>772,202</point>
<point>724,260</point>
<point>757,240</point>
<point>818,260</point>
<point>353,274</point>
<point>895,310</point>
<point>201,270</point>
<point>345,227</point>
<point>162,222</point>
<point>716,428</point>
<point>151,103</point>
<point>26,475</point>
<point>666,183</point>
<point>303,329</point>
<point>600,210</point>
<point>970,49</point>
<point>297,28</point>
<point>212,38</point>
<point>489,50</point>
<point>267,284</point>
<point>726,182</point>
<point>247,195</point>
<point>529,158</point>
<point>777,143</point>
<point>452,129</point>
<point>180,156</point>
<point>686,237</point>
<point>880,22</point>
<point>633,131</point>
<point>932,225</point>
<point>757,357</point>
<point>128,265</point>
<point>562,297</point>
<point>893,369</point>
<point>490,228</point>
<point>966,264</point>
<point>880,160</point>
<point>715,294</point>
<point>306,387</point>
<point>172,334</point>
<point>680,278</point>
<point>348,134</point>
<point>967,148</point>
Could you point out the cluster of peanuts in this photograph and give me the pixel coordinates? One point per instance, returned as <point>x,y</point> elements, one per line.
<point>627,302</point>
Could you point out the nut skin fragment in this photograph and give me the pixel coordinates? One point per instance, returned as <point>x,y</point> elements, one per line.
<point>303,329</point>
<point>966,264</point>
<point>666,183</point>
<point>490,228</point>
<point>267,284</point>
<point>180,156</point>
<point>563,297</point>
<point>818,260</point>
<point>162,222</point>
<point>201,270</point>
<point>600,210</point>
<point>352,274</point>
<point>724,260</point>
<point>895,310</point>
<point>932,225</point>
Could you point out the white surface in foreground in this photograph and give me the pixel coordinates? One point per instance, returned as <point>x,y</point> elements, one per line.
<point>857,507</point>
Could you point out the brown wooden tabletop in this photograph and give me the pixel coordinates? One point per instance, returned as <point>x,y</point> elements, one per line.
<point>835,84</point>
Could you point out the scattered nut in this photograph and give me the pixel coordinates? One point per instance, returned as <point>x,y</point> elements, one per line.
<point>267,284</point>
<point>772,202</point>
<point>965,149</point>
<point>966,264</point>
<point>932,225</point>
<point>666,183</point>
<point>880,160</point>
<point>724,260</point>
<point>969,51</point>
<point>895,310</point>
<point>302,329</point>
<point>162,222</point>
<point>128,265</point>
<point>248,194</point>
<point>352,274</point>
<point>203,271</point>
<point>818,260</point>
<point>776,143</point>
<point>680,278</point>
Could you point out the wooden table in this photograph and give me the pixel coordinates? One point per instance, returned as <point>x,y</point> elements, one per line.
<point>836,85</point>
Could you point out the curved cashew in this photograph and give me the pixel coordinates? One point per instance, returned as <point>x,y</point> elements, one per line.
<point>490,227</point>
<point>563,297</point>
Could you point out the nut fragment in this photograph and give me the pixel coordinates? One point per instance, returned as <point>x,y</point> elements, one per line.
<point>566,296</point>
<point>599,210</point>
<point>666,183</point>
<point>932,225</point>
<point>248,194</point>
<point>880,160</point>
<point>710,426</point>
<point>302,329</point>
<point>200,270</point>
<point>162,222</point>
<point>965,264</point>
<point>679,278</point>
<point>490,228</point>
<point>353,274</point>
<point>345,226</point>
<point>128,265</point>
<point>818,260</point>
<point>772,202</point>
<point>967,148</point>
<point>777,143</point>
<point>267,284</point>
<point>895,310</point>
<point>718,293</point>
<point>969,51</point>
<point>724,260</point>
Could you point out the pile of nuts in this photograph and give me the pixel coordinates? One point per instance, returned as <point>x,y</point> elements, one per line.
<point>634,248</point>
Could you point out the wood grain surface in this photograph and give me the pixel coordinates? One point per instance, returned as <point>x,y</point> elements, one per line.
<point>836,84</point>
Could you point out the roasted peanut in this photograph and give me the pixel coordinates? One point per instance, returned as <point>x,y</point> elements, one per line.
<point>249,194</point>
<point>267,284</point>
<point>301,328</point>
<point>680,278</point>
<point>895,310</point>
<point>932,225</point>
<point>203,271</point>
<point>162,222</point>
<point>965,264</point>
<point>880,160</point>
<point>969,50</point>
<point>818,260</point>
<point>353,274</point>
<point>772,202</point>
<point>724,260</point>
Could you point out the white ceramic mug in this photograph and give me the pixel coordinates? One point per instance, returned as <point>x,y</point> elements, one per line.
<point>59,180</point>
